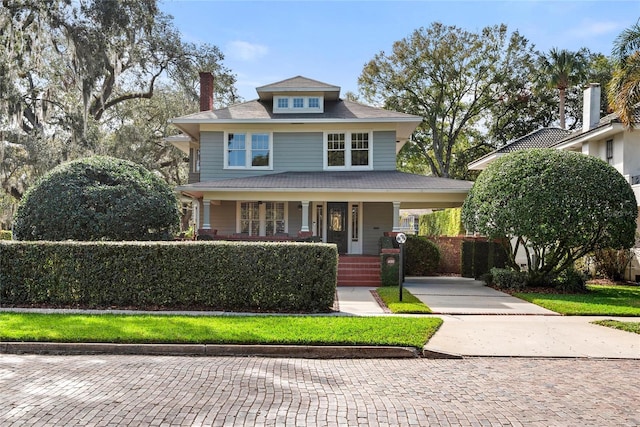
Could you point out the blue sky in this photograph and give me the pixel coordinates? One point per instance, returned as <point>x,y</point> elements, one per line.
<point>330,41</point>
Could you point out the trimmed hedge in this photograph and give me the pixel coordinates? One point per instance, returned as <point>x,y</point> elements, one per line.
<point>235,276</point>
<point>422,256</point>
<point>480,256</point>
<point>446,222</point>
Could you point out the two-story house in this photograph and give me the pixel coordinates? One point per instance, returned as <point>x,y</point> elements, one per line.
<point>605,138</point>
<point>299,161</point>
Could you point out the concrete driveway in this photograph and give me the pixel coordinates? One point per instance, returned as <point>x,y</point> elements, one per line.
<point>480,321</point>
<point>459,295</point>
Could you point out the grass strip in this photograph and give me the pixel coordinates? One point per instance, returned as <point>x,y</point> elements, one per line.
<point>616,324</point>
<point>601,300</point>
<point>409,305</point>
<point>294,330</point>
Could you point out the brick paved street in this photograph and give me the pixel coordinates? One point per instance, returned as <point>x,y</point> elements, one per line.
<point>143,390</point>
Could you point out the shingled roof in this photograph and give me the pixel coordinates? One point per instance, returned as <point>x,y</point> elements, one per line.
<point>263,110</point>
<point>345,181</point>
<point>541,138</point>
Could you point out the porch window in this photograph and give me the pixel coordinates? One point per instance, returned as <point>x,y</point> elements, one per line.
<point>262,219</point>
<point>248,150</point>
<point>348,150</point>
<point>274,218</point>
<point>250,218</point>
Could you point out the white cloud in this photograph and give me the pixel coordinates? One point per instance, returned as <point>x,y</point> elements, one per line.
<point>246,51</point>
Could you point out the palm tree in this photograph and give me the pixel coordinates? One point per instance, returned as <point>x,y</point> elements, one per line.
<point>624,89</point>
<point>562,69</point>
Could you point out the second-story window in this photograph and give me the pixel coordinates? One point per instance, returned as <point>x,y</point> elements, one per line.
<point>298,102</point>
<point>348,150</point>
<point>248,150</point>
<point>610,151</point>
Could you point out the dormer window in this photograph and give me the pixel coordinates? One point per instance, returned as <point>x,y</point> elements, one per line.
<point>298,104</point>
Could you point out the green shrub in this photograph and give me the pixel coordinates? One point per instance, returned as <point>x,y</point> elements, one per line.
<point>289,277</point>
<point>390,270</point>
<point>5,235</point>
<point>503,278</point>
<point>446,222</point>
<point>98,198</point>
<point>422,256</point>
<point>571,281</point>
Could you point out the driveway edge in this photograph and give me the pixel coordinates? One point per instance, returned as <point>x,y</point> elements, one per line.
<point>212,350</point>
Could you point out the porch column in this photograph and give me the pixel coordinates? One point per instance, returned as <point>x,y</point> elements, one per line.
<point>396,217</point>
<point>206,213</point>
<point>305,216</point>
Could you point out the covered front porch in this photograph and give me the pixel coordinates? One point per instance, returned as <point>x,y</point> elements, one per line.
<point>350,209</point>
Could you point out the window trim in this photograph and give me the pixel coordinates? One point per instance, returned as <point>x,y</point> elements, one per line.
<point>305,104</point>
<point>248,148</point>
<point>347,151</point>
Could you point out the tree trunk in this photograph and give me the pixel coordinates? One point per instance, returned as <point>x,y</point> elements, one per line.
<point>562,97</point>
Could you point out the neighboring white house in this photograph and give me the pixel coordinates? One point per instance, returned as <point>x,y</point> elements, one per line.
<point>605,138</point>
<point>301,162</point>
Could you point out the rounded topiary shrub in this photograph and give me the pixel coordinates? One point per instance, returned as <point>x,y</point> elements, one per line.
<point>422,256</point>
<point>97,198</point>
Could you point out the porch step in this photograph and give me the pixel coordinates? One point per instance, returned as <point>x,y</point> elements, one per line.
<point>359,271</point>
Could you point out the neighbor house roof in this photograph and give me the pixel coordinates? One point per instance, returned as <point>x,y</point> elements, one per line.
<point>541,138</point>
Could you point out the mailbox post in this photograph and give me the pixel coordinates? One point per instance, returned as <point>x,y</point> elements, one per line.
<point>401,238</point>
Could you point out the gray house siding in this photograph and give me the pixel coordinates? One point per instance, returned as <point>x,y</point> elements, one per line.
<point>211,155</point>
<point>292,152</point>
<point>384,151</point>
<point>377,218</point>
<point>295,219</point>
<point>297,152</point>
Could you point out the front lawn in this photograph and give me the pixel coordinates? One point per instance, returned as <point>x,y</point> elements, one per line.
<point>300,330</point>
<point>601,300</point>
<point>624,326</point>
<point>409,305</point>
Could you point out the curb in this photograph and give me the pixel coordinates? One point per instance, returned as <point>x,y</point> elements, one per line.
<point>211,350</point>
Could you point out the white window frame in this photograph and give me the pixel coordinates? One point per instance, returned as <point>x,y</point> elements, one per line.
<point>347,151</point>
<point>248,150</point>
<point>305,104</point>
<point>262,216</point>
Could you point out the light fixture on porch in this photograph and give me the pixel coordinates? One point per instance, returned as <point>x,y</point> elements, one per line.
<point>299,206</point>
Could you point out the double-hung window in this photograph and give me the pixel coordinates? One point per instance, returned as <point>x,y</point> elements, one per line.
<point>248,150</point>
<point>348,150</point>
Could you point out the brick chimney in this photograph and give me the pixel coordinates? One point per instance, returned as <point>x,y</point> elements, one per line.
<point>591,107</point>
<point>206,91</point>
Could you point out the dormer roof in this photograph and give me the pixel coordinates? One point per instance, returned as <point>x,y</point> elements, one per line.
<point>299,85</point>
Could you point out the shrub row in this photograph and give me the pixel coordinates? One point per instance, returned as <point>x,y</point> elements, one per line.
<point>236,276</point>
<point>446,222</point>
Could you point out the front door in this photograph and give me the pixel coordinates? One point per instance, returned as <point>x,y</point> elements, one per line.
<point>337,230</point>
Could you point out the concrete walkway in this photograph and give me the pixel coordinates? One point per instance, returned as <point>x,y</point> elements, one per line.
<point>480,321</point>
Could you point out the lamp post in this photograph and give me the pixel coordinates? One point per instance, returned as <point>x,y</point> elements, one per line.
<point>401,238</point>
